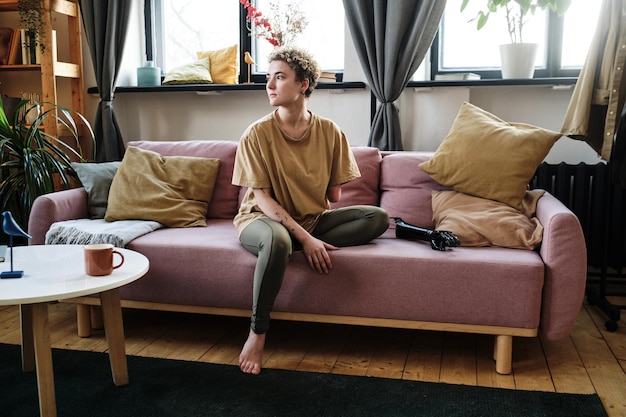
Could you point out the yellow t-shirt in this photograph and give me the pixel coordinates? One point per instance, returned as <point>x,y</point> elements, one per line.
<point>298,172</point>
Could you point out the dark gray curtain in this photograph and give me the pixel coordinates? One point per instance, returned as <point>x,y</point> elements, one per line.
<point>106,24</point>
<point>391,39</point>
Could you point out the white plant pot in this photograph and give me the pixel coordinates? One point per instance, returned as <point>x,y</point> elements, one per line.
<point>518,59</point>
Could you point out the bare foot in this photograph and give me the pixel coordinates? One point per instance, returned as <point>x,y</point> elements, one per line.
<point>251,356</point>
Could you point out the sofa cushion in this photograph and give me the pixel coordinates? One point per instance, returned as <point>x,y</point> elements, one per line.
<point>363,190</point>
<point>184,278</point>
<point>172,190</point>
<point>405,189</point>
<point>482,222</point>
<point>487,157</point>
<point>96,178</point>
<point>497,286</point>
<point>224,203</point>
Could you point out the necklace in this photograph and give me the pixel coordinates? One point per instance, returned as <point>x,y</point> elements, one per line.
<point>294,138</point>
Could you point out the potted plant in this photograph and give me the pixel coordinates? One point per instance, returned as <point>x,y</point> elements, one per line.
<point>518,57</point>
<point>33,162</point>
<point>30,13</point>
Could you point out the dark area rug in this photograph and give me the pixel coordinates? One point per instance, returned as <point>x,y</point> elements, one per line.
<point>163,388</point>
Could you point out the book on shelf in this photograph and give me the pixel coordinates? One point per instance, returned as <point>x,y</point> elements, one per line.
<point>31,53</point>
<point>457,76</point>
<point>33,46</point>
<point>24,44</point>
<point>327,77</point>
<point>6,37</point>
<point>15,53</point>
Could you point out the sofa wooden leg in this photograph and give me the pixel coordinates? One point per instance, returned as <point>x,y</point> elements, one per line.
<point>83,320</point>
<point>503,354</point>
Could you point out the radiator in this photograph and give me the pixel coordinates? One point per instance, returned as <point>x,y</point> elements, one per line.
<point>599,205</point>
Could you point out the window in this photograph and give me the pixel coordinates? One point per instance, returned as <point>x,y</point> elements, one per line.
<point>323,37</point>
<point>182,28</point>
<point>578,27</point>
<point>563,41</point>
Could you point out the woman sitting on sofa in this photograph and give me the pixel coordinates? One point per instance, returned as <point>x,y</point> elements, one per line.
<point>294,163</point>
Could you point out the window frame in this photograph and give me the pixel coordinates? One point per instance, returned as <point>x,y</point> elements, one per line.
<point>554,46</point>
<point>153,21</point>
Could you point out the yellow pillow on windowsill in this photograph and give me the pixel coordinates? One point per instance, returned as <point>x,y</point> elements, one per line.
<point>224,64</point>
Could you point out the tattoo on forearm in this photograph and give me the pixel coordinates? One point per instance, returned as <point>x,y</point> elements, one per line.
<point>283,220</point>
<point>282,217</point>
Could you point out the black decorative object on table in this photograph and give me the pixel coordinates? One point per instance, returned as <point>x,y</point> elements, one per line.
<point>11,228</point>
<point>439,239</point>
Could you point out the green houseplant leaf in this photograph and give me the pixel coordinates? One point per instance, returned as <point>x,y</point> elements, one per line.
<point>516,13</point>
<point>34,162</point>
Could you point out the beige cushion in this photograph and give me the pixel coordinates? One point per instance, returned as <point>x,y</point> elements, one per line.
<point>195,73</point>
<point>224,64</point>
<point>172,190</point>
<point>488,157</point>
<point>481,222</point>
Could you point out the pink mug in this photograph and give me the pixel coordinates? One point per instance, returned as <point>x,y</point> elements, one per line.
<point>99,259</point>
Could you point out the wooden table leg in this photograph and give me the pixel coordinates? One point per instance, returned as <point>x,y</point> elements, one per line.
<point>83,320</point>
<point>114,330</point>
<point>28,347</point>
<point>43,360</point>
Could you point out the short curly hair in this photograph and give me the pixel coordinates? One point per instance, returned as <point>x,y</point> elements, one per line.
<point>301,62</point>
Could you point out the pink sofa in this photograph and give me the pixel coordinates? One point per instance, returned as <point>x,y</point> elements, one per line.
<point>390,282</point>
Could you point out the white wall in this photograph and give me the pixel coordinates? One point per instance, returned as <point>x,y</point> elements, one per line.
<point>425,114</point>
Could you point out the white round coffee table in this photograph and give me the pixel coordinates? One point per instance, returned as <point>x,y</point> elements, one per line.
<point>53,273</point>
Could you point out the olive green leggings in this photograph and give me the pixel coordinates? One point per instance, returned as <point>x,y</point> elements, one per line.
<point>272,243</point>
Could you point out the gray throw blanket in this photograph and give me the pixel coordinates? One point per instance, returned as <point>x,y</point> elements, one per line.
<point>86,231</point>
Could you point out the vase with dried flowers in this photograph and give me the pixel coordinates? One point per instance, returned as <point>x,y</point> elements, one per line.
<point>281,27</point>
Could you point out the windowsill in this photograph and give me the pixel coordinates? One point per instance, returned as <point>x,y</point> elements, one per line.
<point>223,87</point>
<point>494,82</point>
<point>350,85</point>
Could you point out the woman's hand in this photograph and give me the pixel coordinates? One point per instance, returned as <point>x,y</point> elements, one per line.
<point>316,252</point>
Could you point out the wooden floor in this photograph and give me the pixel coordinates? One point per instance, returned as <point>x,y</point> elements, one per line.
<point>589,360</point>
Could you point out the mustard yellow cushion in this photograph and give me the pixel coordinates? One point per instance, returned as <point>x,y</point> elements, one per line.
<point>487,157</point>
<point>197,72</point>
<point>481,222</point>
<point>172,190</point>
<point>224,64</point>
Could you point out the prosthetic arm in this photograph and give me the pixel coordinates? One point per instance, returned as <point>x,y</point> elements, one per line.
<point>439,239</point>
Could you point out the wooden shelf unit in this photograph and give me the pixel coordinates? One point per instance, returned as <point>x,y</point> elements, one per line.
<point>50,68</point>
